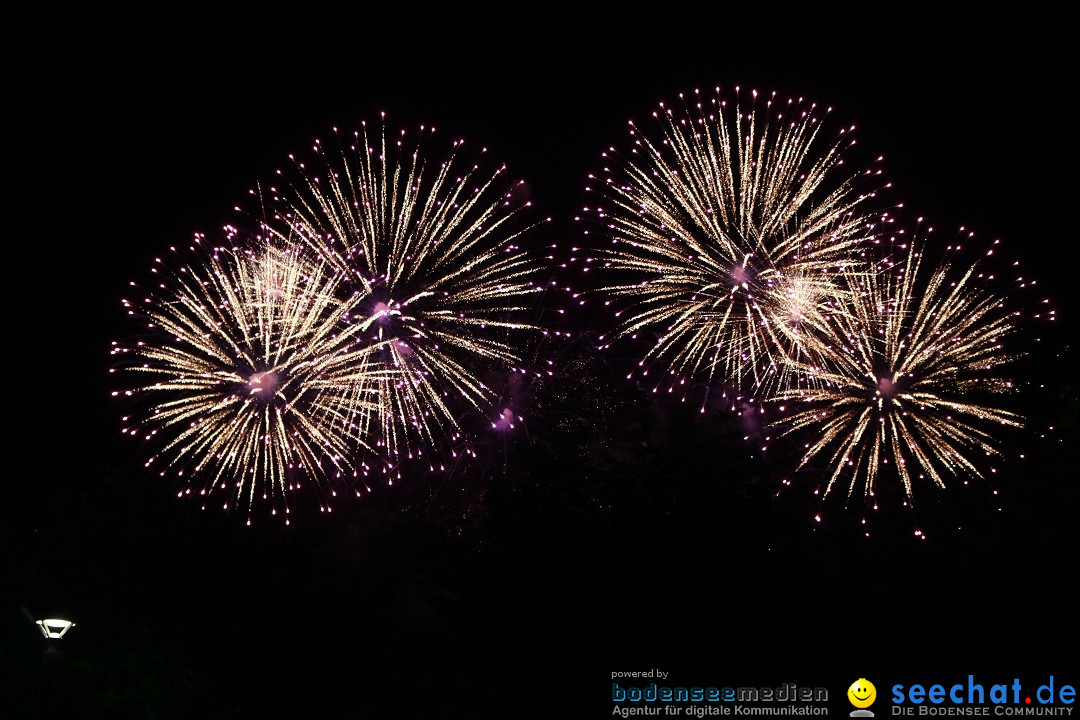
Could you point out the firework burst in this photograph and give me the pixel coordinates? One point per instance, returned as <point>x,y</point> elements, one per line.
<point>248,374</point>
<point>907,375</point>
<point>431,247</point>
<point>723,219</point>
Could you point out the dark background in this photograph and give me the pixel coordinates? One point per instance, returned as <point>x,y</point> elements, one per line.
<point>616,531</point>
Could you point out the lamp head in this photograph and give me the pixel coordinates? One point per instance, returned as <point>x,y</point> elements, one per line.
<point>54,628</point>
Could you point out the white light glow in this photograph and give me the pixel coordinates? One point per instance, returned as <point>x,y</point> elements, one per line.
<point>54,628</point>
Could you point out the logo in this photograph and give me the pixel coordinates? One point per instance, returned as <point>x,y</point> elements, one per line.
<point>862,694</point>
<point>975,698</point>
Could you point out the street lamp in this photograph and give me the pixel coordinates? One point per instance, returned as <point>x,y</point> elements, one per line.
<point>53,629</point>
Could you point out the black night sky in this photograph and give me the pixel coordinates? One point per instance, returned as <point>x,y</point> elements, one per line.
<point>618,530</point>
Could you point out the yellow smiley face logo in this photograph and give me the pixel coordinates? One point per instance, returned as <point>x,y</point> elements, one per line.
<point>862,693</point>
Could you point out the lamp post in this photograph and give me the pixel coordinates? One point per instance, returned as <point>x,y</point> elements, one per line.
<point>53,629</point>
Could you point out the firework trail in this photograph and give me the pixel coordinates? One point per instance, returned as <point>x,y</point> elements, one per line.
<point>721,219</point>
<point>908,375</point>
<point>251,371</point>
<point>431,247</point>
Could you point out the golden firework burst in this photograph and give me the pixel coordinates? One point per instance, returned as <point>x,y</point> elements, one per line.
<point>718,219</point>
<point>907,373</point>
<point>249,377</point>
<point>431,246</point>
